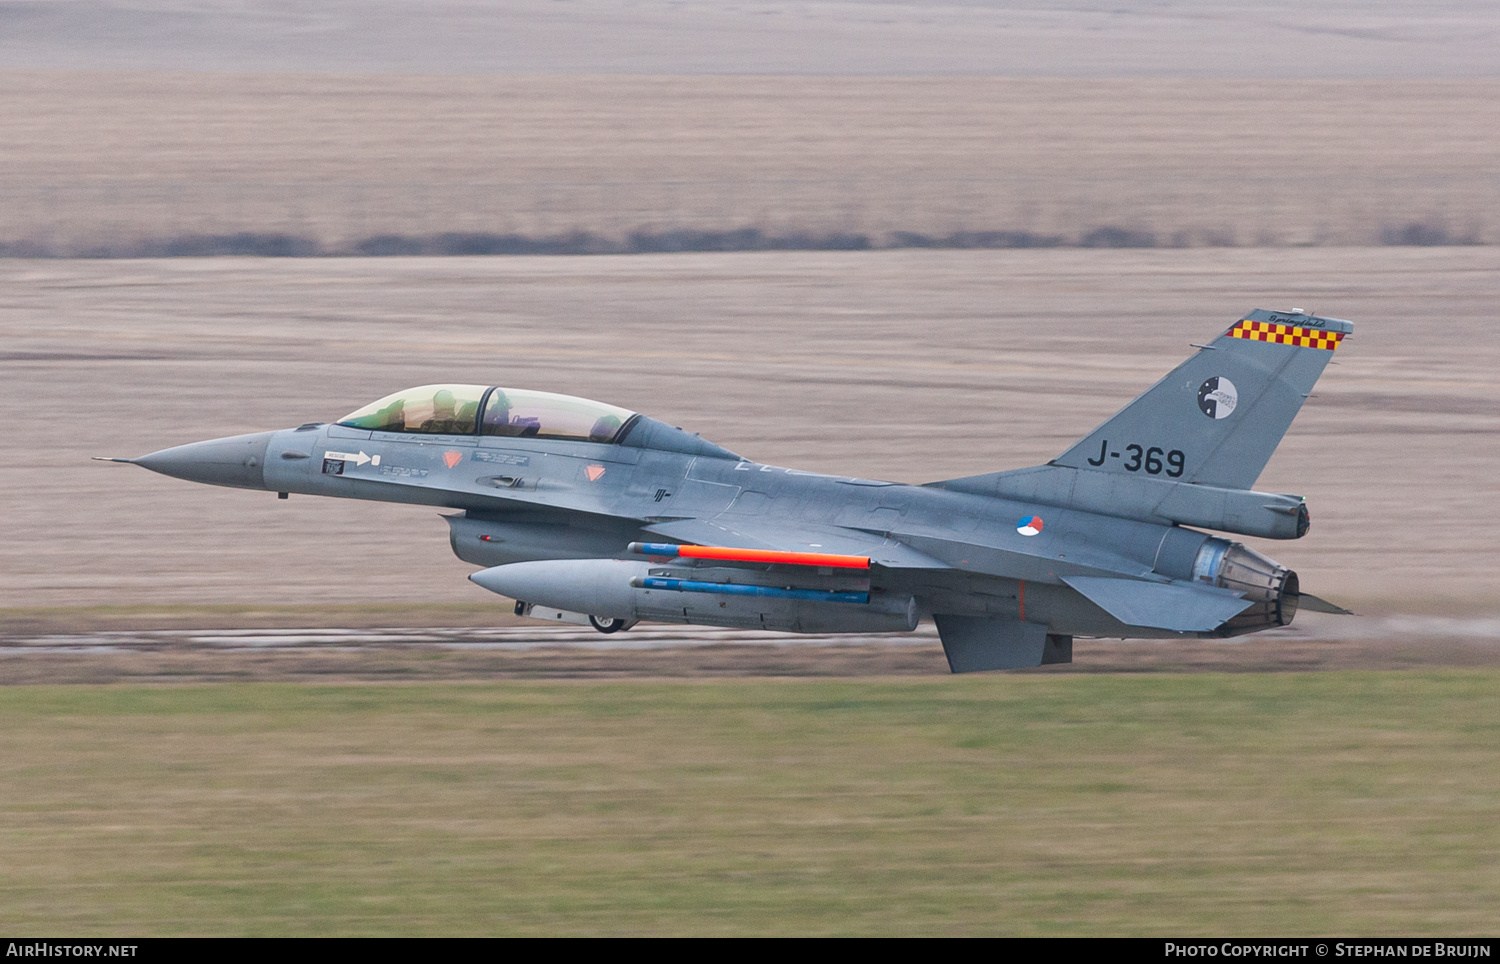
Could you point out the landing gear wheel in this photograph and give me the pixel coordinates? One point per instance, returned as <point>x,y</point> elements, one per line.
<point>609,625</point>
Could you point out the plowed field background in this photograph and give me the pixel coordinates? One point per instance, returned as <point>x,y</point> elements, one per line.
<point>94,162</point>
<point>904,365</point>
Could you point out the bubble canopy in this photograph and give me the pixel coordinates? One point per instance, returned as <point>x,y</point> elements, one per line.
<point>482,410</point>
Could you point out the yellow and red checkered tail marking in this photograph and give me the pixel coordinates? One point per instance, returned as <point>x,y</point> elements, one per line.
<point>1287,335</point>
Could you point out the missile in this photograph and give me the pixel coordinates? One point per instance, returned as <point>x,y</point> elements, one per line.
<point>731,554</point>
<point>739,589</point>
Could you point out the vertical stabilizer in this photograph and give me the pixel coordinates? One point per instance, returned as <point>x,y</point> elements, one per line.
<point>1216,419</point>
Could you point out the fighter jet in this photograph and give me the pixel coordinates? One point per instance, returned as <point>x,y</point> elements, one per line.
<point>583,511</point>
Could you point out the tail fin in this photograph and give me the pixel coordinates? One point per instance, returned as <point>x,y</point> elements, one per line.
<point>1216,419</point>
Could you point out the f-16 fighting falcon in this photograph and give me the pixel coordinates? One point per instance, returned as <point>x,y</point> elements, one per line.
<point>586,512</point>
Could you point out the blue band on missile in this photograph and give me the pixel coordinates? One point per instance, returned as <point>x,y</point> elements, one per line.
<point>734,589</point>
<point>658,549</point>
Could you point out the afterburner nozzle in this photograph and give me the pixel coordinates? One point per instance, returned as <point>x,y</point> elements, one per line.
<point>1271,588</point>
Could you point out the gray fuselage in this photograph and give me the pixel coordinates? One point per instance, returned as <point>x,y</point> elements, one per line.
<point>528,499</point>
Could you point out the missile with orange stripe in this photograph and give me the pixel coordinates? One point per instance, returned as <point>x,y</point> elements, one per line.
<point>730,554</point>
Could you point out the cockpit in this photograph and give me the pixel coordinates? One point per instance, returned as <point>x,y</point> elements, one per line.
<point>482,410</point>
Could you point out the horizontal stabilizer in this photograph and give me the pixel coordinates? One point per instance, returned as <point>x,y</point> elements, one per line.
<point>1156,605</point>
<point>1307,601</point>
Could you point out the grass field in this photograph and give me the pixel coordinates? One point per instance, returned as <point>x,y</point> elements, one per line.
<point>1205,804</point>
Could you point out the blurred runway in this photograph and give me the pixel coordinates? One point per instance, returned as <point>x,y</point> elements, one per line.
<point>1314,643</point>
<point>461,639</point>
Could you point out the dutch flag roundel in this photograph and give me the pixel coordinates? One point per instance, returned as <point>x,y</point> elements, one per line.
<point>1029,525</point>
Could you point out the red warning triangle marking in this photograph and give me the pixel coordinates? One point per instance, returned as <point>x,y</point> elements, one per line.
<point>593,472</point>
<point>452,458</point>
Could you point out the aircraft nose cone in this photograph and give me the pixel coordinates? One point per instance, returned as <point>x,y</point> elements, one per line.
<point>237,461</point>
